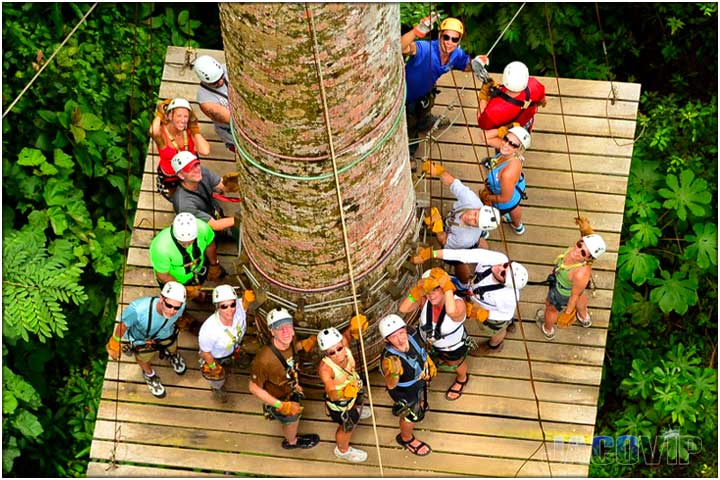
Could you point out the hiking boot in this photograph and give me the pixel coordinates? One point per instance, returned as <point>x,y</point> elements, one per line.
<point>220,394</point>
<point>585,323</point>
<point>156,388</point>
<point>486,349</point>
<point>178,364</point>
<point>541,325</point>
<point>303,441</point>
<point>365,412</point>
<point>353,455</point>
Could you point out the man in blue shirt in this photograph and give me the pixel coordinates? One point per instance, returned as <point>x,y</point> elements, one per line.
<point>429,61</point>
<point>148,324</point>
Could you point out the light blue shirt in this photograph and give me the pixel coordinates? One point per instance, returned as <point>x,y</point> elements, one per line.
<point>135,318</point>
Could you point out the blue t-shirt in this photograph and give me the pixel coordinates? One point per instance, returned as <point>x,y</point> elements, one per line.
<point>135,318</point>
<point>423,69</point>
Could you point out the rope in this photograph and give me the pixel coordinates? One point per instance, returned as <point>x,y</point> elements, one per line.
<point>57,50</point>
<point>505,29</point>
<point>344,227</point>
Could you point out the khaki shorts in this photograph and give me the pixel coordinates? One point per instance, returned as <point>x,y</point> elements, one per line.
<point>145,355</point>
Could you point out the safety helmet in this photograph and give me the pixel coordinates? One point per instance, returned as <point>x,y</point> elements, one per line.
<point>390,324</point>
<point>522,134</point>
<point>595,244</point>
<point>208,69</point>
<point>519,273</point>
<point>178,103</point>
<point>489,218</point>
<point>223,293</point>
<point>329,338</point>
<point>183,160</point>
<point>515,76</point>
<point>184,227</point>
<point>174,291</point>
<point>452,24</point>
<point>277,317</point>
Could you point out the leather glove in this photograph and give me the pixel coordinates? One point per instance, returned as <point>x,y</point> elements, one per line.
<point>161,112</point>
<point>113,348</point>
<point>358,326</point>
<point>432,169</point>
<point>478,65</point>
<point>194,126</point>
<point>485,196</point>
<point>417,292</point>
<point>309,343</point>
<point>290,409</point>
<point>502,131</point>
<point>217,373</point>
<point>431,368</point>
<point>484,93</point>
<point>425,25</point>
<point>247,298</point>
<point>392,366</point>
<point>566,319</point>
<point>584,223</point>
<point>472,310</point>
<point>434,221</point>
<point>443,279</point>
<point>216,272</point>
<point>193,291</point>
<point>351,390</point>
<point>423,255</point>
<point>428,284</point>
<point>230,182</point>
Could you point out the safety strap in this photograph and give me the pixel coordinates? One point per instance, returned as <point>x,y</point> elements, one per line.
<point>188,263</point>
<point>417,369</point>
<point>290,371</point>
<point>427,327</point>
<point>206,198</point>
<point>480,291</point>
<point>497,92</point>
<point>171,139</point>
<point>216,92</point>
<point>493,164</point>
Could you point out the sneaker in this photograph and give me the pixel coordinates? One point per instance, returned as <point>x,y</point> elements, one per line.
<point>585,323</point>
<point>178,364</point>
<point>303,441</point>
<point>156,388</point>
<point>541,325</point>
<point>365,412</point>
<point>518,230</point>
<point>353,455</point>
<point>484,234</point>
<point>220,394</point>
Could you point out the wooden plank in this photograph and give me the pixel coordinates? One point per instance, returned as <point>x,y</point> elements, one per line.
<point>98,469</point>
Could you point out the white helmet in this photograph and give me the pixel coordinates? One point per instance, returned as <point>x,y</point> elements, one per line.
<point>184,227</point>
<point>208,69</point>
<point>489,218</point>
<point>277,315</point>
<point>174,291</point>
<point>182,159</point>
<point>329,338</point>
<point>595,244</point>
<point>222,293</point>
<point>519,273</point>
<point>515,76</point>
<point>178,103</point>
<point>390,324</point>
<point>522,134</point>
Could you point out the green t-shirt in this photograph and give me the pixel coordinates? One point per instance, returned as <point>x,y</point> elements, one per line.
<point>165,255</point>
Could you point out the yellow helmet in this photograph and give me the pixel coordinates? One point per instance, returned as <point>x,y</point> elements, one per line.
<point>452,24</point>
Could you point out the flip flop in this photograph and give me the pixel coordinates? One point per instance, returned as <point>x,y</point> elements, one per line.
<point>458,391</point>
<point>416,449</point>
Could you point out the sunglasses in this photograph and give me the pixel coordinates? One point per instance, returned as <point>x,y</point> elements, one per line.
<point>581,246</point>
<point>171,307</point>
<point>336,351</point>
<point>447,37</point>
<point>225,306</point>
<point>505,266</point>
<point>508,141</point>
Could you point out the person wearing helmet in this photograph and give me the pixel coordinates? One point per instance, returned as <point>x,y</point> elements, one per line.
<point>407,369</point>
<point>429,61</point>
<point>274,378</point>
<point>441,324</point>
<point>494,292</point>
<point>343,389</point>
<point>220,336</point>
<point>514,103</point>
<point>174,118</point>
<point>195,193</point>
<point>505,181</point>
<point>149,326</point>
<point>467,225</point>
<point>568,281</point>
<point>212,96</point>
<point>185,252</point>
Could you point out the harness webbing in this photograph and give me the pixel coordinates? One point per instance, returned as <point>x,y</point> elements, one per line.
<point>417,368</point>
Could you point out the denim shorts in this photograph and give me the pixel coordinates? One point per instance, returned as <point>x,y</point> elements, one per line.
<point>557,300</point>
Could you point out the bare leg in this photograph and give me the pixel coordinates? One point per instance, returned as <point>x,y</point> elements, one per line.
<point>343,439</point>
<point>551,316</point>
<point>516,216</point>
<point>406,433</point>
<point>460,375</point>
<point>498,338</point>
<point>146,366</point>
<point>581,306</point>
<point>290,432</point>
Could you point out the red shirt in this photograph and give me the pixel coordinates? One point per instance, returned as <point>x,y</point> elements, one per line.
<point>168,152</point>
<point>500,112</point>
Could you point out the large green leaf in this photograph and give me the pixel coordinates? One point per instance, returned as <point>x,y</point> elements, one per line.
<point>646,233</point>
<point>31,157</point>
<point>642,204</point>
<point>703,246</point>
<point>635,265</point>
<point>90,122</point>
<point>27,424</point>
<point>689,194</point>
<point>674,293</point>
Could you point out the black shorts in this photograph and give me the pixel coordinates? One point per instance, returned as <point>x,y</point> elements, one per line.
<point>452,355</point>
<point>348,418</point>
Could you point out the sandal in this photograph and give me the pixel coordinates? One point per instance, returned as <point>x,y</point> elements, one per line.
<point>457,391</point>
<point>416,449</point>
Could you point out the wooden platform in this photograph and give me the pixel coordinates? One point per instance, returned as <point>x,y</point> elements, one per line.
<point>493,430</point>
